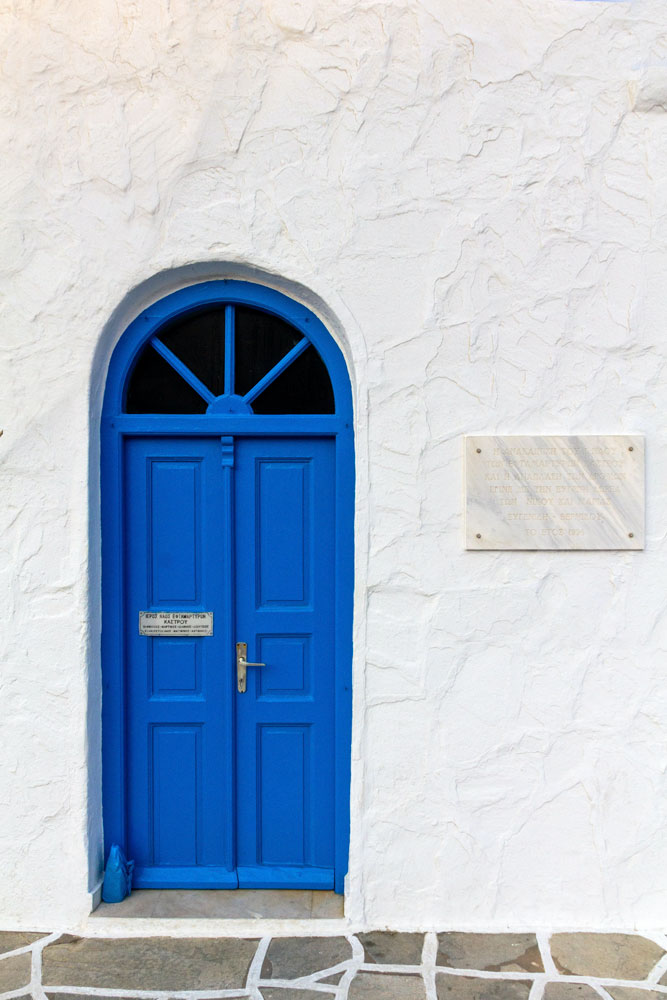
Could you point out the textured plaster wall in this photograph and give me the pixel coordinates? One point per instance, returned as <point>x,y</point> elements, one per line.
<point>475,194</point>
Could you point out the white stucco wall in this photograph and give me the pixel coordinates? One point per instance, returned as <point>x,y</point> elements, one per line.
<point>474,193</point>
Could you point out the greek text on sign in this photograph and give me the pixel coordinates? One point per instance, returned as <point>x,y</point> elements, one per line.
<point>176,623</point>
<point>555,492</point>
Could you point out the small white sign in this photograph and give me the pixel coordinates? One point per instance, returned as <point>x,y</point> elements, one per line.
<point>555,492</point>
<point>190,623</point>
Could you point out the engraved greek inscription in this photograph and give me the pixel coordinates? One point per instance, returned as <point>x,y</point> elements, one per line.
<point>556,492</point>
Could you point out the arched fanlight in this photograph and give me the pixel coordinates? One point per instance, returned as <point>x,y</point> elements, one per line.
<point>229,359</point>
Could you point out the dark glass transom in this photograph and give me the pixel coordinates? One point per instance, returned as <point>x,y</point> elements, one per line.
<point>229,359</point>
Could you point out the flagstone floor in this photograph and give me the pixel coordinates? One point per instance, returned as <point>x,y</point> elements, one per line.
<point>371,966</point>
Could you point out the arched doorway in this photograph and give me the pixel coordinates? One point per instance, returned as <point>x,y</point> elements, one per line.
<point>227,513</point>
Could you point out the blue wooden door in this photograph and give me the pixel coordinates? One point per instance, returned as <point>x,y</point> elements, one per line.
<point>224,788</point>
<point>285,575</point>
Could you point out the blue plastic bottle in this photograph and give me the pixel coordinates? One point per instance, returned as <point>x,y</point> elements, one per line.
<point>117,876</point>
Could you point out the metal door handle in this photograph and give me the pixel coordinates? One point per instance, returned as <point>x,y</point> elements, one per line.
<point>241,664</point>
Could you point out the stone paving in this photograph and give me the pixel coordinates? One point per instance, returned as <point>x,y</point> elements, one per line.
<point>380,965</point>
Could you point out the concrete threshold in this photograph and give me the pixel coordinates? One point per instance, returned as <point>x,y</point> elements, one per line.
<point>211,912</point>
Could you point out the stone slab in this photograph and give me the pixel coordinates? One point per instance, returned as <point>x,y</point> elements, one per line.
<point>14,972</point>
<point>11,940</point>
<point>476,988</point>
<point>633,993</point>
<point>386,986</point>
<point>325,905</point>
<point>291,958</point>
<point>609,956</point>
<point>489,952</point>
<point>334,978</point>
<point>555,492</point>
<point>85,996</point>
<point>225,904</point>
<point>570,991</point>
<point>392,948</point>
<point>148,963</point>
<point>290,993</point>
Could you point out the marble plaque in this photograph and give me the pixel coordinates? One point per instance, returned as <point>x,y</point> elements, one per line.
<point>555,492</point>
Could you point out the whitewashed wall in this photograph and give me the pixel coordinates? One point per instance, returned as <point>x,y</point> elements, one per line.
<point>474,192</point>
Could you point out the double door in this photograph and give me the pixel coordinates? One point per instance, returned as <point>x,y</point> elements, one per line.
<point>226,787</point>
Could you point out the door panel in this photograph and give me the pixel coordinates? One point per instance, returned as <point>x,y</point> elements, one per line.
<point>283,788</point>
<point>179,689</point>
<point>281,531</point>
<point>285,525</point>
<point>176,668</point>
<point>175,512</point>
<point>176,753</point>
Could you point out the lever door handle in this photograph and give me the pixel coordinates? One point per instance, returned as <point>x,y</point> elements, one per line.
<point>241,664</point>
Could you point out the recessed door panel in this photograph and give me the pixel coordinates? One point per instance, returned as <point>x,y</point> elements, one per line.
<point>282,538</point>
<point>175,515</point>
<point>284,786</point>
<point>290,673</point>
<point>176,805</point>
<point>176,667</point>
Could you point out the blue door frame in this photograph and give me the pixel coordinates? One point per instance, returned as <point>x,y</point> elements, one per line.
<point>118,426</point>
